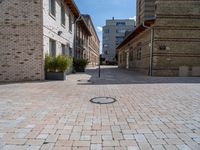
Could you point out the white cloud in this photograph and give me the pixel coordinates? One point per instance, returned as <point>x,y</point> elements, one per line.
<point>99,29</point>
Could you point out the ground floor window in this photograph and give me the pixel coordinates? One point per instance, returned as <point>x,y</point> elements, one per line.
<point>70,51</point>
<point>64,51</point>
<point>52,47</point>
<point>139,54</point>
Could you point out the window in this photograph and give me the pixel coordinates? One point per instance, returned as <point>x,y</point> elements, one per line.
<point>139,54</point>
<point>63,49</point>
<point>120,23</point>
<point>106,45</point>
<point>52,7</point>
<point>131,54</point>
<point>70,22</point>
<point>62,14</point>
<point>52,47</point>
<point>120,31</point>
<point>119,39</point>
<point>106,31</point>
<point>70,51</point>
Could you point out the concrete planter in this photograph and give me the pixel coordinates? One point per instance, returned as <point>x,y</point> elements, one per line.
<point>55,76</point>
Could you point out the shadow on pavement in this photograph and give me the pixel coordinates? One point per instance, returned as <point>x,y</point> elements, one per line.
<point>114,75</point>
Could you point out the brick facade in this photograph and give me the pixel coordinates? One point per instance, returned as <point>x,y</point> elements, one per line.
<point>145,10</point>
<point>26,28</point>
<point>176,41</point>
<point>93,41</point>
<point>21,47</point>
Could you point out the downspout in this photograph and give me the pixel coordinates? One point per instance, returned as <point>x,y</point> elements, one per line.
<point>151,49</point>
<point>75,30</point>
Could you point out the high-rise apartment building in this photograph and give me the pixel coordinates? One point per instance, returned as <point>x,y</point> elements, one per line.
<point>113,34</point>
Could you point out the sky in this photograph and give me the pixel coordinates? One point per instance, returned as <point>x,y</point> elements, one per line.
<point>100,10</point>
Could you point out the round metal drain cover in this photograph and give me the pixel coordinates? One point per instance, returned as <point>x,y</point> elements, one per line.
<point>103,100</point>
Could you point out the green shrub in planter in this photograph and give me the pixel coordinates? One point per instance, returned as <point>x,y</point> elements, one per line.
<point>55,66</point>
<point>80,64</point>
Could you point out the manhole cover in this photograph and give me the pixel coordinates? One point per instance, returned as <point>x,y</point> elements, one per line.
<point>84,80</point>
<point>103,100</point>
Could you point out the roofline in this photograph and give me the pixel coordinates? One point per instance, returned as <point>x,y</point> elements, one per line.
<point>86,26</point>
<point>92,25</point>
<point>74,9</point>
<point>135,32</point>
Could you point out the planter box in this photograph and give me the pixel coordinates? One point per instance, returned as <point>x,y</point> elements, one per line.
<point>55,76</point>
<point>80,69</point>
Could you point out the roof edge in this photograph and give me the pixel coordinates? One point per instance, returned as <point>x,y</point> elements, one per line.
<point>136,32</point>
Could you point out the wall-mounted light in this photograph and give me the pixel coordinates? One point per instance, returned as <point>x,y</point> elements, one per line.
<point>59,33</point>
<point>162,47</point>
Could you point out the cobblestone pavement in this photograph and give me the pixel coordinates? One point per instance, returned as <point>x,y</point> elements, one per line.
<point>150,113</point>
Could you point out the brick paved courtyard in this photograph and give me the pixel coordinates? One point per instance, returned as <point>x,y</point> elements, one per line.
<point>150,113</point>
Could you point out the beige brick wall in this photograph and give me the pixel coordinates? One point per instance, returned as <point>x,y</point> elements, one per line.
<point>21,52</point>
<point>177,27</point>
<point>137,65</point>
<point>145,10</point>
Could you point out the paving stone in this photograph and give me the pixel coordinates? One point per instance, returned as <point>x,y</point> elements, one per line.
<point>81,143</point>
<point>129,137</point>
<point>133,148</point>
<point>183,147</point>
<point>48,146</point>
<point>52,138</point>
<point>158,147</point>
<point>170,147</point>
<point>42,136</point>
<point>34,142</point>
<point>96,147</point>
<point>110,143</point>
<point>128,143</point>
<point>140,138</point>
<point>145,116</point>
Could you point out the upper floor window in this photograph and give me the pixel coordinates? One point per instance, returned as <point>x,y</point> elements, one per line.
<point>52,47</point>
<point>70,22</point>
<point>106,30</point>
<point>120,23</point>
<point>62,14</point>
<point>52,7</point>
<point>120,31</point>
<point>106,45</point>
<point>119,38</point>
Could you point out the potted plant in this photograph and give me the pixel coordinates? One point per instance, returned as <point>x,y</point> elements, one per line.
<point>80,64</point>
<point>56,66</point>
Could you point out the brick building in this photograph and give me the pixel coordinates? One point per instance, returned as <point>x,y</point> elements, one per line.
<point>92,54</point>
<point>82,34</point>
<point>29,29</point>
<point>87,41</point>
<point>166,43</point>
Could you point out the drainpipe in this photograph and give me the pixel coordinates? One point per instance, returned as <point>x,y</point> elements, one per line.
<point>75,25</point>
<point>151,49</point>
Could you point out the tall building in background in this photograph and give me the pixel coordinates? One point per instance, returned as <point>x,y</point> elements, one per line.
<point>113,34</point>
